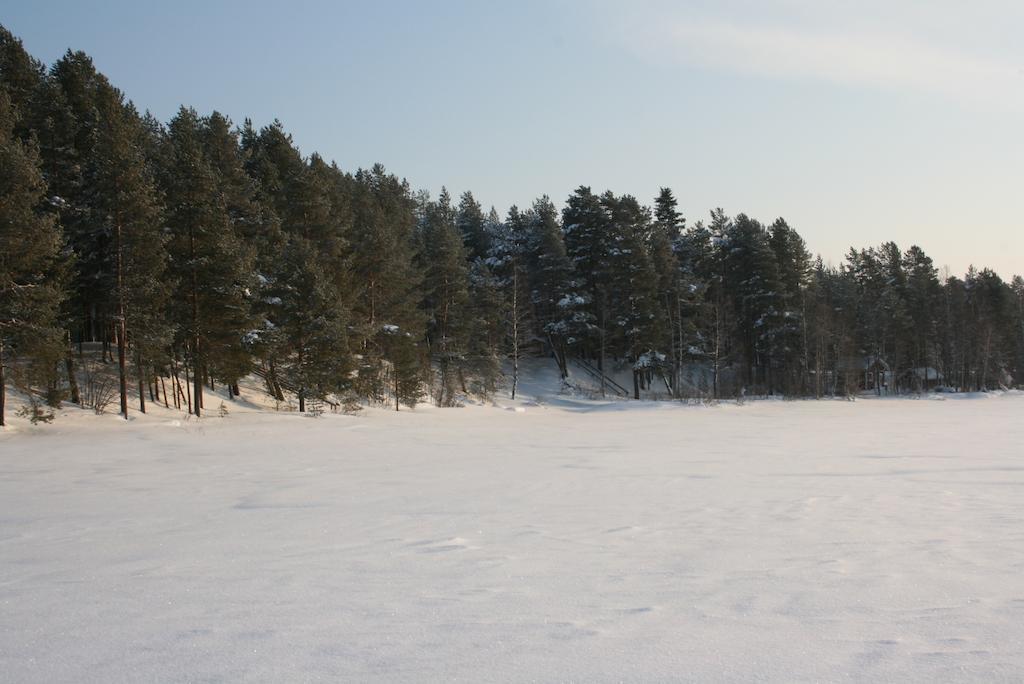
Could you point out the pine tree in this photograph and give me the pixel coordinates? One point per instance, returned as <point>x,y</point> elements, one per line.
<point>752,282</point>
<point>923,293</point>
<point>989,315</point>
<point>895,307</point>
<point>446,297</point>
<point>30,244</point>
<point>472,226</point>
<point>212,265</point>
<point>126,208</point>
<point>311,202</point>
<point>67,130</point>
<point>675,288</point>
<point>632,289</point>
<point>708,249</point>
<point>485,334</point>
<point>309,325</point>
<point>403,354</point>
<point>789,343</point>
<point>1017,328</point>
<point>386,314</point>
<point>507,260</point>
<point>21,77</point>
<point>561,305</point>
<point>587,227</point>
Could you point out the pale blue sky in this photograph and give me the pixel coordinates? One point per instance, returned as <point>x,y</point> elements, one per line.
<point>857,121</point>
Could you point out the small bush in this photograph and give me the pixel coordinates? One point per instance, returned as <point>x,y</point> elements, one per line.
<point>97,391</point>
<point>315,408</point>
<point>35,412</point>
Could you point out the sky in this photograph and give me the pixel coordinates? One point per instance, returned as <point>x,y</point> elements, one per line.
<point>858,122</point>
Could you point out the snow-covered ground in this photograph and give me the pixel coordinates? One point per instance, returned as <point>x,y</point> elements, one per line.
<point>876,540</point>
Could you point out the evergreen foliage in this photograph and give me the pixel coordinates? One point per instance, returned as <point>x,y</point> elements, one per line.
<point>217,251</point>
<point>31,286</point>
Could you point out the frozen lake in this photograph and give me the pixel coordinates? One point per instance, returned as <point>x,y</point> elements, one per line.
<point>779,541</point>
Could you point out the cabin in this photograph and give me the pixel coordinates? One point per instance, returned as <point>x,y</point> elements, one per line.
<point>865,374</point>
<point>923,379</point>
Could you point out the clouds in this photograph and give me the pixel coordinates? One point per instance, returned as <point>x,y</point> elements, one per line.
<point>939,49</point>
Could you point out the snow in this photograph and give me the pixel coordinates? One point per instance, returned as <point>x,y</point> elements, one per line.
<point>564,539</point>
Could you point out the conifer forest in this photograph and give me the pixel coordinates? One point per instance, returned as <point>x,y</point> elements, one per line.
<point>192,253</point>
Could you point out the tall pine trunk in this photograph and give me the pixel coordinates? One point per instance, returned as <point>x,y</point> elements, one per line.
<point>394,370</point>
<point>197,366</point>
<point>142,381</point>
<point>69,365</point>
<point>3,385</point>
<point>515,332</point>
<point>188,389</point>
<point>121,327</point>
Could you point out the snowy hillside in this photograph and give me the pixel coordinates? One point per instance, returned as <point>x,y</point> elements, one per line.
<point>876,540</point>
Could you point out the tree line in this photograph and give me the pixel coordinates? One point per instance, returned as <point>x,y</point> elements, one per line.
<point>195,253</point>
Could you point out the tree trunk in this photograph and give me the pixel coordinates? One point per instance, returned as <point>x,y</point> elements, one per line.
<point>515,328</point>
<point>714,370</point>
<point>121,327</point>
<point>600,361</point>
<point>3,386</point>
<point>69,365</point>
<point>275,388</point>
<point>122,367</point>
<point>140,371</point>
<point>197,381</point>
<point>179,394</point>
<point>197,375</point>
<point>188,389</point>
